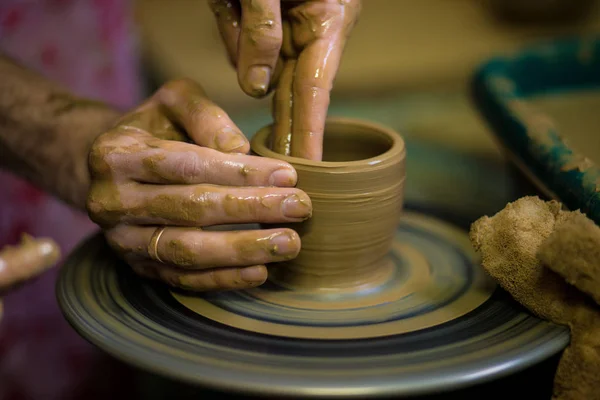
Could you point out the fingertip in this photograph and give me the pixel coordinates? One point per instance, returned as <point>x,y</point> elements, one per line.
<point>289,243</point>
<point>297,206</point>
<point>255,275</point>
<point>255,81</point>
<point>230,140</point>
<point>26,260</point>
<point>294,236</point>
<point>49,250</point>
<point>285,176</point>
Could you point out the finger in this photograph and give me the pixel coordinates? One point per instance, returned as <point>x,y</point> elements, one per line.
<point>26,260</point>
<point>276,73</point>
<point>206,280</point>
<point>227,14</point>
<point>259,45</point>
<point>320,29</point>
<point>194,249</point>
<point>313,80</point>
<point>207,205</point>
<point>182,163</point>
<point>288,48</point>
<point>281,139</point>
<point>287,52</point>
<point>205,122</point>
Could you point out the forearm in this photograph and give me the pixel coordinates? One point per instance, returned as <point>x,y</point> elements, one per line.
<point>46,132</point>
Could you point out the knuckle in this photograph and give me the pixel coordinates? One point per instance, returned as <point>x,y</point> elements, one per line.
<point>196,112</point>
<point>189,168</point>
<point>212,170</point>
<point>108,150</point>
<point>94,208</point>
<point>201,112</point>
<point>98,161</point>
<point>103,206</point>
<point>268,42</point>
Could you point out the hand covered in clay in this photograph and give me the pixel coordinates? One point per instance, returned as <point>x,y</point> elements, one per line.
<point>25,261</point>
<point>295,46</point>
<point>175,165</point>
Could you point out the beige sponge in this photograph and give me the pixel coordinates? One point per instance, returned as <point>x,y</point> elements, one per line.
<point>573,252</point>
<point>510,242</point>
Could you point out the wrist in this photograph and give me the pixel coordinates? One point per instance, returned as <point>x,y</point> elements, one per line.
<point>47,140</point>
<point>80,122</point>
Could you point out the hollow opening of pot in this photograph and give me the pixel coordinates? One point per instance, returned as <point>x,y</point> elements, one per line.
<point>345,142</point>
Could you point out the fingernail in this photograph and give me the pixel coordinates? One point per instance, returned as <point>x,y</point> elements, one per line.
<point>297,206</point>
<point>283,177</point>
<point>283,244</point>
<point>254,274</point>
<point>50,251</point>
<point>258,78</point>
<point>228,140</point>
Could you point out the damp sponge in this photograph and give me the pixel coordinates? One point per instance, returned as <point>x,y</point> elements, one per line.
<point>547,259</point>
<point>573,252</point>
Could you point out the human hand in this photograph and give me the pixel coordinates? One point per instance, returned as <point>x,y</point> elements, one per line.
<point>145,177</point>
<point>25,261</point>
<point>295,45</point>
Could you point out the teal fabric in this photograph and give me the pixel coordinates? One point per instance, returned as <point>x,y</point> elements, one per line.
<point>571,64</point>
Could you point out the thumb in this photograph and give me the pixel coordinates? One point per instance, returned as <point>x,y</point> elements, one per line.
<point>259,44</point>
<point>26,260</point>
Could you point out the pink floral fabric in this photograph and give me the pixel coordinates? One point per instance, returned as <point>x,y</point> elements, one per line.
<point>88,46</point>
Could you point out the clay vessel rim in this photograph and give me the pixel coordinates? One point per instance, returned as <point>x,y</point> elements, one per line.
<point>397,147</point>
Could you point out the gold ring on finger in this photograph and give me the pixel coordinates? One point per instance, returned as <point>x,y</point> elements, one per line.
<point>153,244</point>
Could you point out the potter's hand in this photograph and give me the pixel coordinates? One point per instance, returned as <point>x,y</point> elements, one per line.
<point>146,177</point>
<point>25,261</point>
<point>295,45</point>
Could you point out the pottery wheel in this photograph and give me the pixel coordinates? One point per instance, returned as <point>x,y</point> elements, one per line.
<point>431,280</point>
<point>437,323</point>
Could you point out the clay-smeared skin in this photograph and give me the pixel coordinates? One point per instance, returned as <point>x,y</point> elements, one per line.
<point>509,243</point>
<point>294,46</point>
<point>145,174</point>
<point>25,261</point>
<point>356,208</point>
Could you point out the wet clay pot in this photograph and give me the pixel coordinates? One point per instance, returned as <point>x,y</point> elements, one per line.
<point>357,197</point>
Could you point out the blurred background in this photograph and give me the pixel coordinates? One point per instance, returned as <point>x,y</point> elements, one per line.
<point>407,62</point>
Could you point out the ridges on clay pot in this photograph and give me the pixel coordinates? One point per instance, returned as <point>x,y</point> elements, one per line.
<point>357,193</point>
